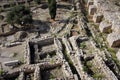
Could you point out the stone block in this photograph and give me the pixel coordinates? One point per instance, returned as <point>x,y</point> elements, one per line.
<point>116,26</point>
<point>97,18</point>
<point>114,39</point>
<point>118,55</point>
<point>90,2</point>
<point>92,9</point>
<point>105,26</point>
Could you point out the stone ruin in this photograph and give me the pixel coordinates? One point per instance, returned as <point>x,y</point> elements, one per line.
<point>114,39</point>
<point>110,13</point>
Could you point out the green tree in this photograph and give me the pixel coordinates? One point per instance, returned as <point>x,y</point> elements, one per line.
<point>52,8</point>
<point>19,15</point>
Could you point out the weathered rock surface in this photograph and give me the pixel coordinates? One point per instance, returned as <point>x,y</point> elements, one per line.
<point>118,55</point>
<point>114,39</point>
<point>105,26</point>
<point>92,9</point>
<point>97,18</point>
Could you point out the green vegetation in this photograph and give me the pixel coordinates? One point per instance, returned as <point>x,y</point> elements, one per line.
<point>52,8</point>
<point>82,45</point>
<point>52,76</point>
<point>98,76</point>
<point>19,15</point>
<point>1,10</point>
<point>114,58</point>
<point>1,17</point>
<point>1,71</point>
<point>87,67</point>
<point>37,1</point>
<point>14,54</point>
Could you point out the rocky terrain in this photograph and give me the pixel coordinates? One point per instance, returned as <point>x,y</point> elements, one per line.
<point>83,43</point>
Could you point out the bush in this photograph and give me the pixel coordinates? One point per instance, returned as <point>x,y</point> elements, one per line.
<point>19,15</point>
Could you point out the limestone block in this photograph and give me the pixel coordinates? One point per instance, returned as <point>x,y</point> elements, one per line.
<point>116,25</point>
<point>97,18</point>
<point>92,9</point>
<point>118,14</point>
<point>116,28</point>
<point>114,39</point>
<point>105,26</point>
<point>118,55</point>
<point>90,2</point>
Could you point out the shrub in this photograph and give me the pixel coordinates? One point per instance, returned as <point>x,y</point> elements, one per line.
<point>19,15</point>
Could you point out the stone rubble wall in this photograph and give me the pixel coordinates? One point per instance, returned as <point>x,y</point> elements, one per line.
<point>77,59</point>
<point>37,75</point>
<point>65,67</point>
<point>43,41</point>
<point>31,68</point>
<point>67,45</point>
<point>99,62</point>
<point>27,58</point>
<point>21,76</point>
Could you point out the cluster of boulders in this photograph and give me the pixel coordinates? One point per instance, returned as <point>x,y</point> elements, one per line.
<point>107,14</point>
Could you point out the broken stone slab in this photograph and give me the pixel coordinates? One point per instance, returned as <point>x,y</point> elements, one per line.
<point>92,9</point>
<point>105,26</point>
<point>8,44</point>
<point>118,55</point>
<point>97,18</point>
<point>90,2</point>
<point>114,39</point>
<point>12,63</point>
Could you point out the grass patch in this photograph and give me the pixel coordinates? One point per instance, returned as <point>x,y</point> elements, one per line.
<point>98,76</point>
<point>1,71</point>
<point>82,45</point>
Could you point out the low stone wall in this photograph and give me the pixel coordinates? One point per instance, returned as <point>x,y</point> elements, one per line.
<point>27,56</point>
<point>43,41</point>
<point>76,58</point>
<point>31,68</point>
<point>65,67</point>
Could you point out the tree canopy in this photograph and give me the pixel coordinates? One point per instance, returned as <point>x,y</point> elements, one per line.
<point>52,8</point>
<point>19,15</point>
